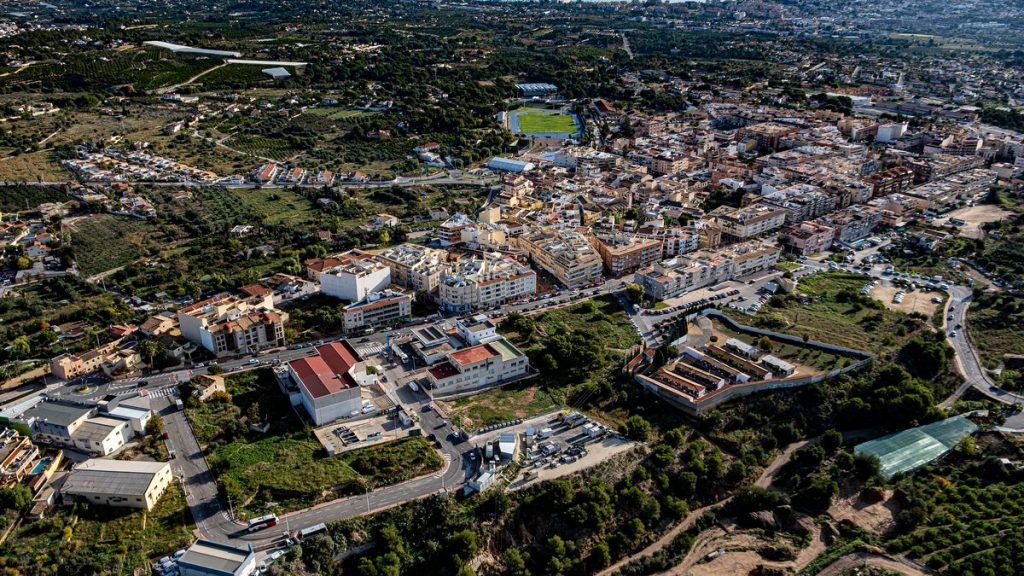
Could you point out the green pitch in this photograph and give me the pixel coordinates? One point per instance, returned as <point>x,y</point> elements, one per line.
<point>536,122</point>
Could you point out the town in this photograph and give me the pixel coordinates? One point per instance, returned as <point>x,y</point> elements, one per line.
<point>500,288</point>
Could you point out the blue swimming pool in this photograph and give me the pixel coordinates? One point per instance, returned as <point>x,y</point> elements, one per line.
<point>41,465</point>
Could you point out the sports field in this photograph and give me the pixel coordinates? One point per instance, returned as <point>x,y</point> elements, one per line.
<point>541,122</point>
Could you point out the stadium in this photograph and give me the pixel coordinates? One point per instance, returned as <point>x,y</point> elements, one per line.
<point>541,123</point>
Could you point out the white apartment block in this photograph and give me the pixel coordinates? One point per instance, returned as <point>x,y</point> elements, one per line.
<point>378,309</point>
<point>355,280</point>
<point>227,324</point>
<point>485,282</point>
<point>414,267</point>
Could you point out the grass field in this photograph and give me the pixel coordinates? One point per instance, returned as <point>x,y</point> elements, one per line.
<point>536,121</point>
<point>103,242</point>
<point>818,360</point>
<point>32,167</point>
<point>101,540</point>
<point>287,469</point>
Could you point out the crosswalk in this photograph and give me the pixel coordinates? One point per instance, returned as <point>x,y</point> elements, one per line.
<point>164,392</point>
<point>371,349</point>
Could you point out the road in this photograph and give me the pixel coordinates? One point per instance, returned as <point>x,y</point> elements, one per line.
<point>967,360</point>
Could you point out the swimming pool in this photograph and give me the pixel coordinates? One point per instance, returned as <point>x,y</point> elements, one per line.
<point>41,465</point>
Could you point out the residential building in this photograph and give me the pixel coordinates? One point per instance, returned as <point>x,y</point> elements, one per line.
<point>266,173</point>
<point>227,324</point>
<point>329,382</point>
<point>477,367</point>
<point>853,223</point>
<point>414,267</point>
<point>750,221</point>
<point>384,308</point>
<point>355,280</point>
<point>682,274</point>
<point>18,456</point>
<point>565,253</point>
<point>453,230</point>
<point>206,558</point>
<point>896,179</point>
<point>485,281</point>
<point>623,253</point>
<point>205,386</point>
<point>108,357</point>
<point>316,266</point>
<point>121,483</point>
<point>809,237</point>
<point>476,330</point>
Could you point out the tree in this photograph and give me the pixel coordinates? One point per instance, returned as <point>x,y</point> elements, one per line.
<point>23,263</point>
<point>216,369</point>
<point>155,426</point>
<point>636,428</point>
<point>764,343</point>
<point>20,347</point>
<point>635,292</point>
<point>515,563</point>
<point>17,497</point>
<point>831,441</point>
<point>149,350</point>
<point>462,545</point>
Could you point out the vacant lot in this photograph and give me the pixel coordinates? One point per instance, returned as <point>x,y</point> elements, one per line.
<point>21,198</point>
<point>916,301</point>
<point>287,468</point>
<point>501,405</point>
<point>834,311</point>
<point>806,360</point>
<point>32,167</point>
<point>100,540</point>
<point>975,216</point>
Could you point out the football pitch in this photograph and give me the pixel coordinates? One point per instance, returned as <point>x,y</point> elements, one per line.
<point>535,121</point>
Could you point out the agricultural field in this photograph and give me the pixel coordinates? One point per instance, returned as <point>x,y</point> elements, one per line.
<point>274,147</point>
<point>32,167</point>
<point>287,465</point>
<point>277,206</point>
<point>103,242</point>
<point>337,113</point>
<point>86,539</point>
<point>26,198</point>
<point>237,76</point>
<point>962,516</point>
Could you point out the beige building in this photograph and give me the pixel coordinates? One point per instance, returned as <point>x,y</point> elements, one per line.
<point>751,221</point>
<point>227,324</point>
<point>809,237</point>
<point>485,281</point>
<point>414,267</point>
<point>565,253</point>
<point>108,358</point>
<point>205,386</point>
<point>623,253</point>
<point>122,483</point>
<point>477,367</point>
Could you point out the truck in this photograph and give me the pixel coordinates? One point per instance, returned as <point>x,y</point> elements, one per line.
<point>179,404</point>
<point>544,433</point>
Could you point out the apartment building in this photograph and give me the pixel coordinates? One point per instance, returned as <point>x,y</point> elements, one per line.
<point>565,253</point>
<point>18,455</point>
<point>809,237</point>
<point>378,309</point>
<point>227,324</point>
<point>674,241</point>
<point>485,281</point>
<point>853,223</point>
<point>414,267</point>
<point>477,367</point>
<point>801,202</point>
<point>928,169</point>
<point>355,280</point>
<point>896,179</point>
<point>951,189</point>
<point>750,221</point>
<point>451,231</point>
<point>623,253</point>
<point>316,266</point>
<point>675,277</point>
<point>75,426</point>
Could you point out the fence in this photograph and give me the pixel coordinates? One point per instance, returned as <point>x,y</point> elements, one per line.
<point>693,407</point>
